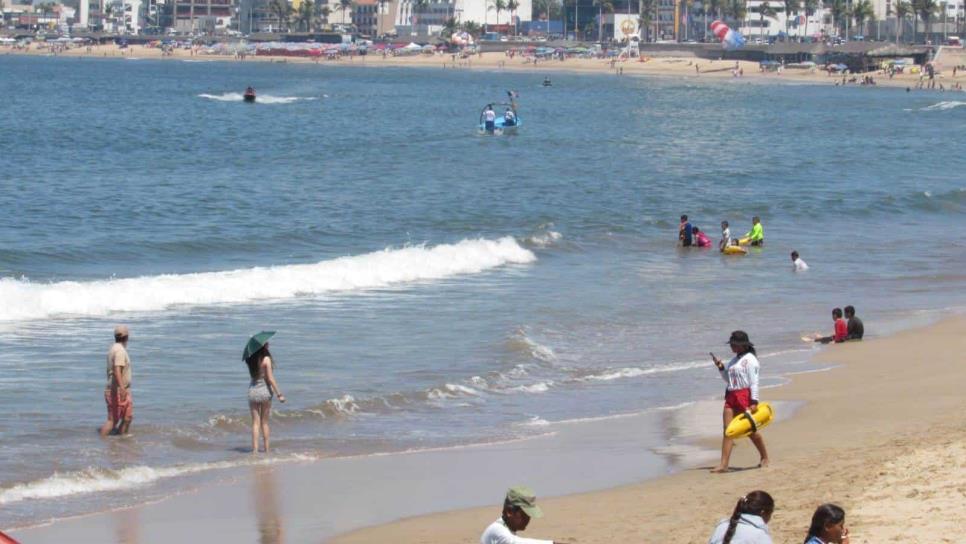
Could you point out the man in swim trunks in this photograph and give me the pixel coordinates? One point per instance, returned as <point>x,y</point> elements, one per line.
<point>117,393</point>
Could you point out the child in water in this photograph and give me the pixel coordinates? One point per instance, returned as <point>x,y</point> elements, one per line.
<point>700,239</point>
<point>725,236</point>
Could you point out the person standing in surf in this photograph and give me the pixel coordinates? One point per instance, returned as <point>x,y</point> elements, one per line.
<point>262,386</point>
<point>117,393</point>
<point>741,375</point>
<point>489,119</point>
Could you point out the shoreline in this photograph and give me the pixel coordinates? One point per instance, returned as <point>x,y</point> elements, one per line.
<point>846,461</point>
<point>226,506</point>
<point>675,67</point>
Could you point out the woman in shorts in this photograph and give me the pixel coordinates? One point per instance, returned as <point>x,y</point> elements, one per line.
<point>741,375</point>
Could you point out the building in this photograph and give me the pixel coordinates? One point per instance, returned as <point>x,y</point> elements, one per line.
<point>755,27</point>
<point>409,19</point>
<point>202,16</point>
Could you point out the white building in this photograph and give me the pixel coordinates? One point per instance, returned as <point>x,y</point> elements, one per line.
<point>432,18</point>
<point>131,18</point>
<point>754,27</point>
<point>83,12</point>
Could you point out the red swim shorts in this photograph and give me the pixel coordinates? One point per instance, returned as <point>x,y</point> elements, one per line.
<point>117,410</point>
<point>738,400</point>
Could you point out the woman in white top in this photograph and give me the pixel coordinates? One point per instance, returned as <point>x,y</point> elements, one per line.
<point>748,523</point>
<point>741,375</point>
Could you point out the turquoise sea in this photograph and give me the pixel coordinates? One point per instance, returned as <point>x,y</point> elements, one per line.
<point>431,287</point>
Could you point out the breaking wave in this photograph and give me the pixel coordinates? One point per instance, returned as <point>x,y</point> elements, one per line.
<point>262,98</point>
<point>944,105</point>
<point>24,300</point>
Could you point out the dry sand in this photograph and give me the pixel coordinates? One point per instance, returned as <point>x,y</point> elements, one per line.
<point>883,435</point>
<point>658,66</point>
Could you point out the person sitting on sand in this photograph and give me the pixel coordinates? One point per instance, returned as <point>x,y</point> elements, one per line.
<point>855,330</point>
<point>748,523</point>
<point>725,236</point>
<point>700,238</point>
<point>828,526</point>
<point>741,375</point>
<point>519,506</point>
<point>841,331</point>
<point>756,236</point>
<point>798,265</point>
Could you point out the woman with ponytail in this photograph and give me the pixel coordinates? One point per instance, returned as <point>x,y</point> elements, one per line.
<point>748,523</point>
<point>828,526</point>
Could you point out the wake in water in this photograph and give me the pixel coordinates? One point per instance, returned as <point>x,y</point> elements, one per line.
<point>25,300</point>
<point>944,105</point>
<point>262,98</point>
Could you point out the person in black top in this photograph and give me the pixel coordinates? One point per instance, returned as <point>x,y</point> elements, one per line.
<point>856,329</point>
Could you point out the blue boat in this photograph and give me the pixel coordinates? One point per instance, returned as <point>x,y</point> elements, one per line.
<point>506,118</point>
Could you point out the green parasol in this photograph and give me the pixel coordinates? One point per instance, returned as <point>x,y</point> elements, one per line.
<point>256,342</point>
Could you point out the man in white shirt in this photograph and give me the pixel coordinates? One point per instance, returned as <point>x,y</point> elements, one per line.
<point>797,263</point>
<point>519,506</point>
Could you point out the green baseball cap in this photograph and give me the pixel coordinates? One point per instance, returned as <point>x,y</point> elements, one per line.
<point>256,342</point>
<point>524,498</point>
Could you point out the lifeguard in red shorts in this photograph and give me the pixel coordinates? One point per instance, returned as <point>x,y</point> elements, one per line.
<point>741,375</point>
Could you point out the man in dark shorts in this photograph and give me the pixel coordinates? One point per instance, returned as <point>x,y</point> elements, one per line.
<point>856,330</point>
<point>685,232</point>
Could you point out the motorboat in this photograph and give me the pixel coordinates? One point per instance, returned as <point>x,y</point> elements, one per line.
<point>249,95</point>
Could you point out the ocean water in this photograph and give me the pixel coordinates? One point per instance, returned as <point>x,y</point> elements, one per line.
<point>431,287</point>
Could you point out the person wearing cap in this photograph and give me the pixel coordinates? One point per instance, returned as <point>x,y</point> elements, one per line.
<point>117,392</point>
<point>519,506</point>
<point>741,375</point>
<point>262,387</point>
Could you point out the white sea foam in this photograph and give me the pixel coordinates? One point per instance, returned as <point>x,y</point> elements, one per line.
<point>944,105</point>
<point>94,480</point>
<point>540,387</point>
<point>634,372</point>
<point>544,239</point>
<point>535,421</point>
<point>262,98</point>
<point>25,300</point>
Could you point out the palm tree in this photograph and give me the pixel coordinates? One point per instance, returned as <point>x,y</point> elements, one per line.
<point>645,16</point>
<point>344,6</point>
<point>901,10</point>
<point>602,6</point>
<point>737,9</point>
<point>790,6</point>
<point>809,6</point>
<point>764,10</point>
<point>838,11</point>
<point>714,6</point>
<point>512,6</point>
<point>325,11</point>
<point>304,15</point>
<point>925,9</point>
<point>686,4</point>
<point>281,10</point>
<point>862,12</point>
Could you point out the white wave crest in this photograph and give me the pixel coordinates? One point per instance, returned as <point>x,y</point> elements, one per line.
<point>535,421</point>
<point>262,98</point>
<point>94,480</point>
<point>634,372</point>
<point>541,387</point>
<point>450,391</point>
<point>944,105</point>
<point>544,239</point>
<point>24,300</point>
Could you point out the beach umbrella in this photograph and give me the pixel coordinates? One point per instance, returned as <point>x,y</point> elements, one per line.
<point>256,342</point>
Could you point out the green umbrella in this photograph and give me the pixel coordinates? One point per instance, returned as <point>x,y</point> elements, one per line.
<point>256,342</point>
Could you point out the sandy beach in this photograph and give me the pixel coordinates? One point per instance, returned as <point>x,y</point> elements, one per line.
<point>881,433</point>
<point>678,67</point>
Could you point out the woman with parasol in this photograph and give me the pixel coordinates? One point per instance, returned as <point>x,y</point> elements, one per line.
<point>262,386</point>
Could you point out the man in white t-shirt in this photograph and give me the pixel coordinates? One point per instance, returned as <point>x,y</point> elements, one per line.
<point>489,119</point>
<point>797,263</point>
<point>519,506</point>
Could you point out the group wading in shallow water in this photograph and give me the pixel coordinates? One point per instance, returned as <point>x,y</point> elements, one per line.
<point>690,235</point>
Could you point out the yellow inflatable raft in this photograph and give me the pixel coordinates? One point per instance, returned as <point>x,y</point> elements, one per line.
<point>745,424</point>
<point>734,250</point>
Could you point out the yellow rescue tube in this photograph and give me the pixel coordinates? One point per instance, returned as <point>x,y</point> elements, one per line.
<point>741,426</point>
<point>734,250</point>
<point>744,241</point>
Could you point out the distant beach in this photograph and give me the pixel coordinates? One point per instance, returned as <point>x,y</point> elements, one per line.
<point>680,67</point>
